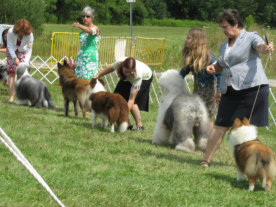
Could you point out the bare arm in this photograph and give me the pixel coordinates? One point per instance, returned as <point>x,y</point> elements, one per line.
<point>94,31</point>
<point>105,71</point>
<point>131,99</point>
<point>264,48</point>
<point>3,49</point>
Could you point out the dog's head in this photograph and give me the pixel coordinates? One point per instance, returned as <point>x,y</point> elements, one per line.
<point>171,82</point>
<point>65,70</point>
<point>4,74</point>
<point>241,132</point>
<point>22,69</point>
<point>97,85</point>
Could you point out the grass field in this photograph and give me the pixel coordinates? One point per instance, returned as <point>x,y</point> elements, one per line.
<point>86,167</point>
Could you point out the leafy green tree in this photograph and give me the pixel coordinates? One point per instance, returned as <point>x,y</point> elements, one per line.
<point>51,11</point>
<point>156,9</point>
<point>32,10</point>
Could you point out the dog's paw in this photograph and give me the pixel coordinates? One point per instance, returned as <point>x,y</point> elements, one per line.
<point>22,102</point>
<point>112,128</point>
<point>251,188</point>
<point>187,146</point>
<point>201,145</point>
<point>240,176</point>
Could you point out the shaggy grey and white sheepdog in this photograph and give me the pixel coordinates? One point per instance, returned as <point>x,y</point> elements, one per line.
<point>182,118</point>
<point>30,90</point>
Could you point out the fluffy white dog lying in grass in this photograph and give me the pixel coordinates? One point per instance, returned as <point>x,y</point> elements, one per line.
<point>182,118</point>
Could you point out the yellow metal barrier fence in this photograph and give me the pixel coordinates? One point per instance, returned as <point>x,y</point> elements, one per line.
<point>149,50</point>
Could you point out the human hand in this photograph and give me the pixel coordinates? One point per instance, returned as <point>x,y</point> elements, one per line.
<point>211,69</point>
<point>96,76</point>
<point>217,97</point>
<point>76,24</point>
<point>269,48</point>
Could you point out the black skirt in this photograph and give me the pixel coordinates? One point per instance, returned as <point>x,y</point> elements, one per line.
<point>142,98</point>
<point>239,104</point>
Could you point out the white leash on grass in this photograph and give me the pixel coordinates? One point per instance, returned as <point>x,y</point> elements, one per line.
<point>6,140</point>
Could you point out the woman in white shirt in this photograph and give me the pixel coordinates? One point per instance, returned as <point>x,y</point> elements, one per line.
<point>19,49</point>
<point>134,85</point>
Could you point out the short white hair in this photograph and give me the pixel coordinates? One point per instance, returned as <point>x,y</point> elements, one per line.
<point>88,11</point>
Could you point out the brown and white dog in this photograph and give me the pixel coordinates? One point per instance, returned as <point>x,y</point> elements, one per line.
<point>253,158</point>
<point>112,108</point>
<point>74,89</point>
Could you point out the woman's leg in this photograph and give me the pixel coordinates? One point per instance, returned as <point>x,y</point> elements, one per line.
<point>11,85</point>
<point>211,122</point>
<point>214,141</point>
<point>136,115</point>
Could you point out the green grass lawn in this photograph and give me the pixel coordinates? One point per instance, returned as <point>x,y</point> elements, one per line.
<point>86,167</point>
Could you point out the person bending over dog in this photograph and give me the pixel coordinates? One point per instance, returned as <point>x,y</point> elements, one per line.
<point>134,85</point>
<point>19,49</point>
<point>243,79</point>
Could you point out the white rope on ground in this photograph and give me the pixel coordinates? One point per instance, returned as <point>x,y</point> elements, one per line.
<point>6,140</point>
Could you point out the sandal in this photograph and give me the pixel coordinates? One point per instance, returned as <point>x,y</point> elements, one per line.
<point>138,128</point>
<point>204,163</point>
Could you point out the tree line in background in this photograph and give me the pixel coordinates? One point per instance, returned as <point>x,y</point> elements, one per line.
<point>117,11</point>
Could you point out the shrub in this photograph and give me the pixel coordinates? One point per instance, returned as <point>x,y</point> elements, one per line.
<point>249,21</point>
<point>177,23</point>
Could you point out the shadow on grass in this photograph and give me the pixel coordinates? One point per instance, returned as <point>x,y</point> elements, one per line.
<point>185,157</point>
<point>233,182</point>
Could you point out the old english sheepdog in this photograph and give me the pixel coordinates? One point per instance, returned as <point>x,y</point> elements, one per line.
<point>4,76</point>
<point>182,118</point>
<point>30,90</point>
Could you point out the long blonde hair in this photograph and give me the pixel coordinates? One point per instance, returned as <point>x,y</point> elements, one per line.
<point>197,55</point>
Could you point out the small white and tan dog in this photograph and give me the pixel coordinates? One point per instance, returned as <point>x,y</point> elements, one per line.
<point>182,118</point>
<point>252,157</point>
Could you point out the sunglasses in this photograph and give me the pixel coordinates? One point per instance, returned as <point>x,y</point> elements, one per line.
<point>86,16</point>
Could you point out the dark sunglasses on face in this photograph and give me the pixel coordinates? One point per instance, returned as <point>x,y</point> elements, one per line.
<point>86,16</point>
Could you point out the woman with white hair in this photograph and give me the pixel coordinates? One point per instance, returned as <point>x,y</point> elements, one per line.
<point>88,56</point>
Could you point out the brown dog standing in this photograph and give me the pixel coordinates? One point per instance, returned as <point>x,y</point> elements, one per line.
<point>74,89</point>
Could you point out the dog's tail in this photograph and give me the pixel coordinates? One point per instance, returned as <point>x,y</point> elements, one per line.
<point>47,96</point>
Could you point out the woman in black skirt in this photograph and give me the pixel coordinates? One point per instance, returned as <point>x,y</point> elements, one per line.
<point>134,85</point>
<point>244,84</point>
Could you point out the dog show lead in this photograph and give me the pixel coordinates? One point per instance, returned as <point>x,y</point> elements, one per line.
<point>242,75</point>
<point>134,85</point>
